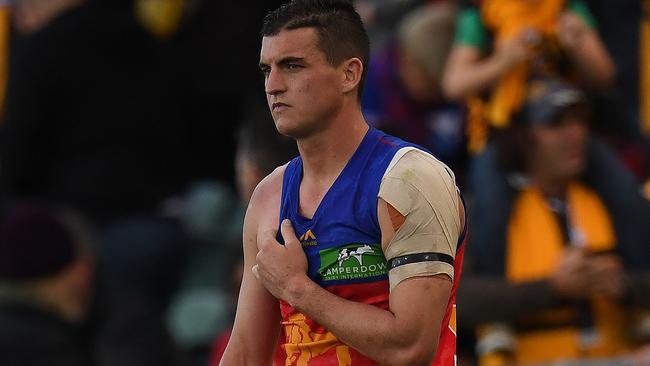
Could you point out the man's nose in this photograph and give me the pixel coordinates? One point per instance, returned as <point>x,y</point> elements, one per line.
<point>274,83</point>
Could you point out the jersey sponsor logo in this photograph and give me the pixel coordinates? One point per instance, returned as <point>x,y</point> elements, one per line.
<point>352,261</point>
<point>308,239</point>
<point>348,253</point>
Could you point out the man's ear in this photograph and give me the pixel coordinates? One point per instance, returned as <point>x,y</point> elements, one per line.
<point>352,71</point>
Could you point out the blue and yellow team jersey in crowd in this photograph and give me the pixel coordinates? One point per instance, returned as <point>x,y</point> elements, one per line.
<point>342,242</point>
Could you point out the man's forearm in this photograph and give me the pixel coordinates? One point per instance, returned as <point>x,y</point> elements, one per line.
<point>376,333</point>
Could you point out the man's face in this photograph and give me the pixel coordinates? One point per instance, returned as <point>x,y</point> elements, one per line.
<point>302,89</point>
<point>560,147</point>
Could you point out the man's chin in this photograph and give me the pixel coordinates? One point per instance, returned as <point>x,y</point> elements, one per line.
<point>285,129</point>
<point>292,129</point>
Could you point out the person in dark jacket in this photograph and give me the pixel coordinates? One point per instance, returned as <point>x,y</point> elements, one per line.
<point>559,255</point>
<point>46,284</point>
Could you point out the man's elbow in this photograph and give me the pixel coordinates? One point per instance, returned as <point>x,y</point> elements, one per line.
<point>236,355</point>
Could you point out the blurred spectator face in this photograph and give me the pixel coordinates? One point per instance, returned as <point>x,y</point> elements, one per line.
<point>248,176</point>
<point>560,146</point>
<point>425,36</point>
<point>260,149</point>
<point>415,79</point>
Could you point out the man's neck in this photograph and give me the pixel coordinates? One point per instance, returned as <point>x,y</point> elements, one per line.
<point>326,153</point>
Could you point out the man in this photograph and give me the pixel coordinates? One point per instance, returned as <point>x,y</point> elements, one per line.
<point>370,224</point>
<point>557,255</point>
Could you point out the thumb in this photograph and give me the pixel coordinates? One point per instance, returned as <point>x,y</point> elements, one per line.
<point>255,270</point>
<point>288,234</point>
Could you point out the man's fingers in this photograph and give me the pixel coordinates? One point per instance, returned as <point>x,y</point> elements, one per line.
<point>288,233</point>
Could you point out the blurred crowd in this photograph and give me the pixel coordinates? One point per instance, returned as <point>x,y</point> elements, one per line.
<point>133,132</point>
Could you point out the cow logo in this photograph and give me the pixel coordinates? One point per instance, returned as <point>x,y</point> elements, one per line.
<point>352,261</point>
<point>347,253</point>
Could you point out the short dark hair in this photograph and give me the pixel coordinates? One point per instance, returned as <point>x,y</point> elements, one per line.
<point>341,34</point>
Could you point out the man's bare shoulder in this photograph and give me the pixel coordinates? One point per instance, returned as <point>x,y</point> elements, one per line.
<point>264,206</point>
<point>269,189</point>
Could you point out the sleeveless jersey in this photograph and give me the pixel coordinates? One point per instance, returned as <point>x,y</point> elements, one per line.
<point>342,242</point>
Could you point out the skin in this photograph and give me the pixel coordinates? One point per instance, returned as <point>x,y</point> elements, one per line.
<point>318,106</point>
<point>419,85</point>
<point>32,15</point>
<point>469,72</point>
<point>586,50</point>
<point>559,155</point>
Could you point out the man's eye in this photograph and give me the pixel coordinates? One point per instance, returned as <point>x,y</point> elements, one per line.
<point>293,67</point>
<point>265,71</point>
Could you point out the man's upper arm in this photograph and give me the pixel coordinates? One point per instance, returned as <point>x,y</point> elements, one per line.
<point>423,192</point>
<point>256,327</point>
<point>419,218</point>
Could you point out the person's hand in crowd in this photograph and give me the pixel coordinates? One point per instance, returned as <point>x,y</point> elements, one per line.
<point>586,52</point>
<point>517,49</point>
<point>580,275</point>
<point>608,276</point>
<point>571,30</point>
<point>641,356</point>
<point>572,278</point>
